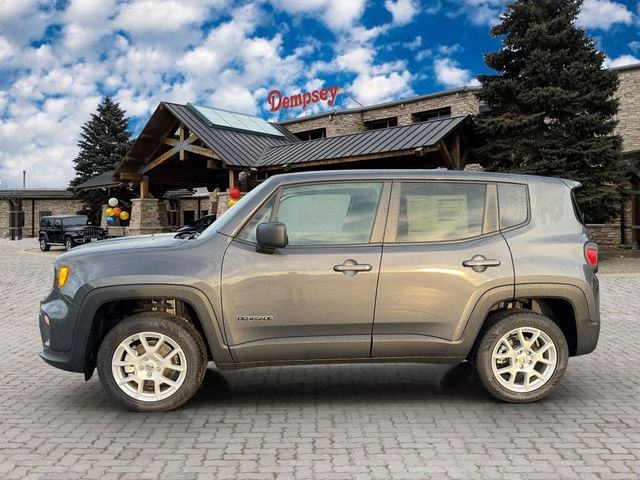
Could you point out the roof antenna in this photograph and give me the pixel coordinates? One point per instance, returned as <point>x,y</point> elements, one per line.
<point>343,93</point>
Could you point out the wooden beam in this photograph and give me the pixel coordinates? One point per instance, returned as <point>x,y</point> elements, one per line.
<point>160,160</point>
<point>182,134</point>
<point>205,152</point>
<point>144,187</point>
<point>192,138</point>
<point>128,176</point>
<point>447,155</point>
<point>171,141</point>
<point>456,151</point>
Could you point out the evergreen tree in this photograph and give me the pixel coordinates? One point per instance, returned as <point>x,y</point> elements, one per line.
<point>103,143</point>
<point>552,105</point>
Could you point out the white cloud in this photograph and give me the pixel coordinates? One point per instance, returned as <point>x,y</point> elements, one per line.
<point>371,89</point>
<point>336,14</point>
<point>402,11</point>
<point>480,12</point>
<point>621,61</point>
<point>449,74</point>
<point>6,49</point>
<point>635,45</point>
<point>414,44</point>
<point>603,14</point>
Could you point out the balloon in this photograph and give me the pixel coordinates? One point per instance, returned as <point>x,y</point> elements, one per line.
<point>234,193</point>
<point>124,215</point>
<point>113,202</point>
<point>116,212</point>
<point>111,220</point>
<point>109,212</point>
<point>231,202</point>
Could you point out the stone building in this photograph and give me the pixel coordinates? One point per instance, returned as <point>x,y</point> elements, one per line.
<point>34,203</point>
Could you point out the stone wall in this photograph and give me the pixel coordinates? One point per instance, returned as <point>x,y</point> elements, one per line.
<point>610,234</point>
<point>339,123</point>
<point>629,111</point>
<point>55,206</point>
<point>148,215</point>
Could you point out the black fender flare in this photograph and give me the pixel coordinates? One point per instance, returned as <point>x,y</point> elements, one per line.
<point>90,304</point>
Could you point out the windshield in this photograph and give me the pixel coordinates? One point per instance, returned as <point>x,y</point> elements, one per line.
<point>79,221</point>
<point>225,217</point>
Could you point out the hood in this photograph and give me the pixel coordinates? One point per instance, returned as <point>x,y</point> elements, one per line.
<point>155,241</point>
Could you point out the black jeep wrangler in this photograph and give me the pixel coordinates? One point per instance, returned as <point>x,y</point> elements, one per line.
<point>68,230</point>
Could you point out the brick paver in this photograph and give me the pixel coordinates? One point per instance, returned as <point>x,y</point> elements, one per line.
<point>337,422</point>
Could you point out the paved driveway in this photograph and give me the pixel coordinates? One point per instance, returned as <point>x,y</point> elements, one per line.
<point>339,422</point>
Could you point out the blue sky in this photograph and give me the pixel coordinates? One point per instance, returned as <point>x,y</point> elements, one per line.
<point>58,58</point>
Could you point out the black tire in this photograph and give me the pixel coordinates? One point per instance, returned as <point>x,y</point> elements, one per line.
<point>181,333</point>
<point>500,324</point>
<point>69,243</point>
<point>44,246</point>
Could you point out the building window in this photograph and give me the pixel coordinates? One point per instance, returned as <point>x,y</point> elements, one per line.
<point>189,217</point>
<point>45,213</point>
<point>312,134</point>
<point>434,114</point>
<point>382,123</point>
<point>261,176</point>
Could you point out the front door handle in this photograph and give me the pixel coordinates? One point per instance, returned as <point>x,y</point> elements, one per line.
<point>479,263</point>
<point>351,267</point>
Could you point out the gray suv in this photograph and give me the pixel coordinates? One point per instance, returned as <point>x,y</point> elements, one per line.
<point>423,266</point>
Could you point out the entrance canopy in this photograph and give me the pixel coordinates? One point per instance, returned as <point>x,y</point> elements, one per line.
<point>194,146</point>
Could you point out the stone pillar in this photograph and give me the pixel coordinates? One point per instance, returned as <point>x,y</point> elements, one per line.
<point>148,215</point>
<point>212,206</point>
<point>103,217</point>
<point>223,199</point>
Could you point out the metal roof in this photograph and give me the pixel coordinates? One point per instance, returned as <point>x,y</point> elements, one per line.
<point>100,181</point>
<point>385,140</point>
<point>48,193</point>
<point>236,148</point>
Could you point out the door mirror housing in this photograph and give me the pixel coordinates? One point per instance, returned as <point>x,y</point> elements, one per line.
<point>271,235</point>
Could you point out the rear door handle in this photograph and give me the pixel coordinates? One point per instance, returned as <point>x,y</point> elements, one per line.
<point>479,263</point>
<point>350,267</point>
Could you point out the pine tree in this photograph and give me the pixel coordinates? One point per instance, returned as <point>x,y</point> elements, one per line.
<point>552,105</point>
<point>103,143</point>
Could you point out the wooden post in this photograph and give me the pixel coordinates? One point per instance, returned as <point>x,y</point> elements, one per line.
<point>182,134</point>
<point>144,187</point>
<point>233,179</point>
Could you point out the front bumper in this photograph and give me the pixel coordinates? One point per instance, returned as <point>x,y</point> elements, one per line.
<point>57,321</point>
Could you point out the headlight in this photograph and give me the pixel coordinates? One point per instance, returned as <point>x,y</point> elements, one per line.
<point>63,275</point>
<point>81,232</point>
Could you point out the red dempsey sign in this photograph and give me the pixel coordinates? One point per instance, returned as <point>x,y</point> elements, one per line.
<point>277,101</point>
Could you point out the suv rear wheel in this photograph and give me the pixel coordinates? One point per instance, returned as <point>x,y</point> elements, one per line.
<point>150,363</point>
<point>521,356</point>
<point>44,246</point>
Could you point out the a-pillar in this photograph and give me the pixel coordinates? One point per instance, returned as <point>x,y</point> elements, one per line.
<point>148,215</point>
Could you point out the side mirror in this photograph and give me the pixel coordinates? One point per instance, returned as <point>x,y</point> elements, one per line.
<point>271,235</point>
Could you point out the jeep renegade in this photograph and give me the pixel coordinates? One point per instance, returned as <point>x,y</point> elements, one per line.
<point>424,266</point>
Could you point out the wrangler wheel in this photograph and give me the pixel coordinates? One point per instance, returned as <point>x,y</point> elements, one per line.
<point>69,243</point>
<point>44,246</point>
<point>521,356</point>
<point>151,363</point>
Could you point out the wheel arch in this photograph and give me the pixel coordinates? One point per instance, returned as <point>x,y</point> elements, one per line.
<point>565,304</point>
<point>105,307</point>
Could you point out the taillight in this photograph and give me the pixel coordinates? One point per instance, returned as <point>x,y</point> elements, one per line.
<point>591,254</point>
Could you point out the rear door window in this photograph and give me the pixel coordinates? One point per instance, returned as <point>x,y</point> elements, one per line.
<point>513,202</point>
<point>440,211</point>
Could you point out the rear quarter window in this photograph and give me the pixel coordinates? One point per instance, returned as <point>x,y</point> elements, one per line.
<point>513,203</point>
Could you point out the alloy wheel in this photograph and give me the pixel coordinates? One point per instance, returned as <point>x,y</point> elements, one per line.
<point>149,366</point>
<point>524,359</point>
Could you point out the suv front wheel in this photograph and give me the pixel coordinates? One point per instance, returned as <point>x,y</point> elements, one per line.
<point>521,356</point>
<point>69,243</point>
<point>152,363</point>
